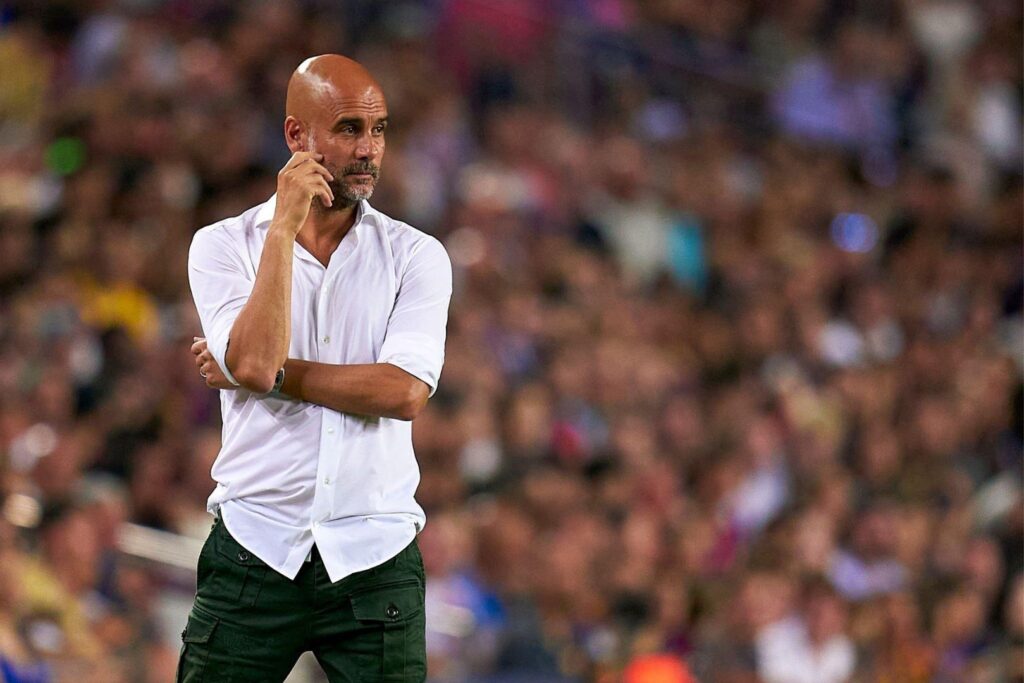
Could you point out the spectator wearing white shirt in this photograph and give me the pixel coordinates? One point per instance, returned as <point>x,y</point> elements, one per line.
<point>811,647</point>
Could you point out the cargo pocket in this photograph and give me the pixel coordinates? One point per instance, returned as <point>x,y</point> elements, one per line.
<point>398,609</point>
<point>195,650</point>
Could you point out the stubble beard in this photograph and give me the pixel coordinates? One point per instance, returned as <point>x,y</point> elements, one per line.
<point>346,195</point>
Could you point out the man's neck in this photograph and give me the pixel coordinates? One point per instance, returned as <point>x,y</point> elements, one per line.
<point>323,230</point>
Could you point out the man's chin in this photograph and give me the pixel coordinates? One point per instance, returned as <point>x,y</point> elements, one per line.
<point>348,195</point>
<point>344,200</point>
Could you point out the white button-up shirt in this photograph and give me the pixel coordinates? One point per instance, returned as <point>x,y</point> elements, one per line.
<point>291,474</point>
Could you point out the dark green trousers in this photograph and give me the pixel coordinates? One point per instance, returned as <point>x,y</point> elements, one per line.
<point>250,623</point>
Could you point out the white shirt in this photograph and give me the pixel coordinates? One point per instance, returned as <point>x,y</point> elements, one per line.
<point>291,473</point>
<point>785,654</point>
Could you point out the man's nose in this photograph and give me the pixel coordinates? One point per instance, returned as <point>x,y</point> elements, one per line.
<point>367,149</point>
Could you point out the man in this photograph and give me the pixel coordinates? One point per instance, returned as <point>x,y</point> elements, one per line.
<point>325,324</point>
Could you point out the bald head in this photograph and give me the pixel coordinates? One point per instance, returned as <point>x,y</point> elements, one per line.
<point>325,79</point>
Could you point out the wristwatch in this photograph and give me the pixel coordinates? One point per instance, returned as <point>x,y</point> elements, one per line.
<point>278,382</point>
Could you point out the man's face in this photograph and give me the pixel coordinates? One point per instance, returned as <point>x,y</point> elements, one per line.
<point>350,135</point>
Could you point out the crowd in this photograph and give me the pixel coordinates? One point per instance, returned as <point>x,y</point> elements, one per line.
<point>733,382</point>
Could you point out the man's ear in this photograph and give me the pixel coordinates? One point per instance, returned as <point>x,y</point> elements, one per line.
<point>294,134</point>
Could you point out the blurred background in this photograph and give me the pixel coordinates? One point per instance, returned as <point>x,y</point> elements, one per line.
<point>733,382</point>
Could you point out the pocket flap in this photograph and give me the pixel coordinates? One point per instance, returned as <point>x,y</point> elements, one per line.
<point>237,553</point>
<point>389,602</point>
<point>199,628</point>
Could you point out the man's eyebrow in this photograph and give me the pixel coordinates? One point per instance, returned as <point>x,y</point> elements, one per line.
<point>348,121</point>
<point>356,121</point>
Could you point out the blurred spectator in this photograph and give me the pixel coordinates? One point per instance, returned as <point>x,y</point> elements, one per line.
<point>868,567</point>
<point>813,647</point>
<point>840,97</point>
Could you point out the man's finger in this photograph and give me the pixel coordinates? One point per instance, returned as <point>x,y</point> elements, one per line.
<point>300,158</point>
<point>321,170</point>
<point>323,190</point>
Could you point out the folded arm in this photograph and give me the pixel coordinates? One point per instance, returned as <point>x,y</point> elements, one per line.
<point>254,313</point>
<point>408,363</point>
<point>374,389</point>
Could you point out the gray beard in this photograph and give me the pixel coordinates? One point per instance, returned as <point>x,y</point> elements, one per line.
<point>345,195</point>
<point>348,195</point>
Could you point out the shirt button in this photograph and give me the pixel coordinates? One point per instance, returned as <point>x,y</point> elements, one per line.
<point>316,523</point>
<point>327,340</point>
<point>392,611</point>
<point>330,430</point>
<point>243,556</point>
<point>327,481</point>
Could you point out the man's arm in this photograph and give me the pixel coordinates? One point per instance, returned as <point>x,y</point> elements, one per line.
<point>261,333</point>
<point>375,389</point>
<point>410,358</point>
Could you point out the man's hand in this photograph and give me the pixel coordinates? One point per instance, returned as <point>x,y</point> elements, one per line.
<point>208,368</point>
<point>301,179</point>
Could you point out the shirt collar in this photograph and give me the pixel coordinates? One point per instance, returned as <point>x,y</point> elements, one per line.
<point>265,212</point>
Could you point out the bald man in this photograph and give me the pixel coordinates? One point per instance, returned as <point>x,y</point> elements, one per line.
<point>324,325</point>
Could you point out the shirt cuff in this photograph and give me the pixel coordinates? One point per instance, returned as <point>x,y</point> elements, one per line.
<point>414,367</point>
<point>219,352</point>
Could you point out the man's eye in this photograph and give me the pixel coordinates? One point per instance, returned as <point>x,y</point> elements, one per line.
<point>378,130</point>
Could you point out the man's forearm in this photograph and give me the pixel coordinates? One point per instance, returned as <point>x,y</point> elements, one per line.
<point>376,389</point>
<point>260,335</point>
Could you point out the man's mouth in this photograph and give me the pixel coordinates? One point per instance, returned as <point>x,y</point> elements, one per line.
<point>360,173</point>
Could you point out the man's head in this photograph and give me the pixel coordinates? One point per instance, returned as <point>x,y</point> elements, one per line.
<point>337,109</point>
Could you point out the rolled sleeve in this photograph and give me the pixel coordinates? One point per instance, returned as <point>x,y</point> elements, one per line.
<point>415,336</point>
<point>220,288</point>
